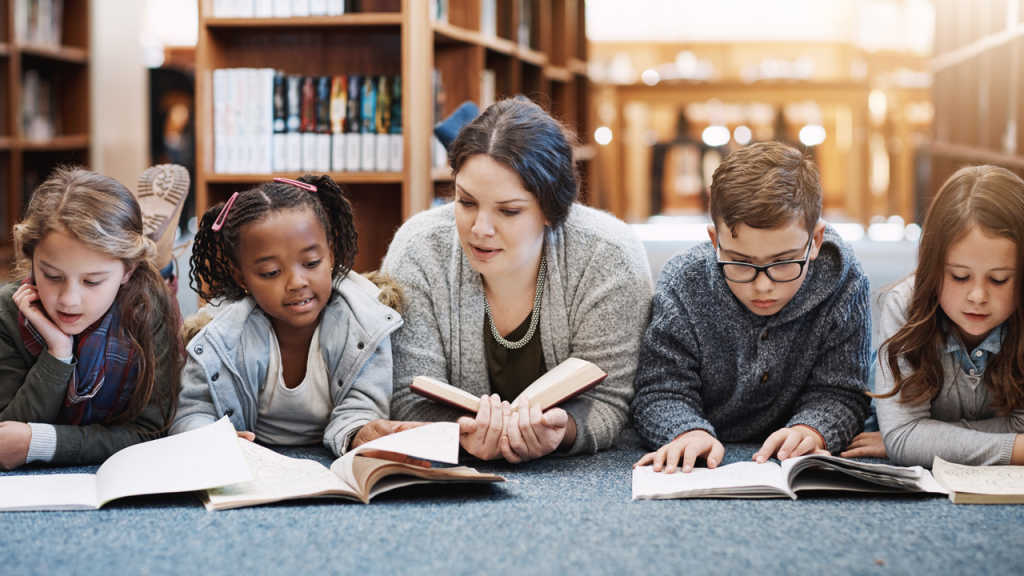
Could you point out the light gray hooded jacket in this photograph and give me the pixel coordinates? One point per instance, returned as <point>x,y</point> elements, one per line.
<point>227,362</point>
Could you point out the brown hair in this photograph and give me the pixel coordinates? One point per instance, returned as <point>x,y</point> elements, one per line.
<point>102,214</point>
<point>765,185</point>
<point>989,197</point>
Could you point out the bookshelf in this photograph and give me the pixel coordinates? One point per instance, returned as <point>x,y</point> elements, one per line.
<point>44,62</point>
<point>978,87</point>
<point>545,59</point>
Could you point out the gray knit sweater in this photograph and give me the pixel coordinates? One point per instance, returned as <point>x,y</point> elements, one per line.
<point>595,306</point>
<point>708,362</point>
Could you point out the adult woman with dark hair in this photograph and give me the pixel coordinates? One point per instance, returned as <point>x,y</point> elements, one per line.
<point>511,279</point>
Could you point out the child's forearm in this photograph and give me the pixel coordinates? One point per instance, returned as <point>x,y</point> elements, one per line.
<point>1017,457</point>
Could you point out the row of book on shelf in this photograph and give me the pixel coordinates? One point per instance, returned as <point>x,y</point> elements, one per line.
<point>265,121</point>
<point>39,21</point>
<point>282,8</point>
<point>489,18</point>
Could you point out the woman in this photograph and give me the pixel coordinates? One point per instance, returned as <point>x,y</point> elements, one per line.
<point>511,279</point>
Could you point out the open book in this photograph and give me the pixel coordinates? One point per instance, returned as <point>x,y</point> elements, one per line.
<point>195,460</point>
<point>355,476</point>
<point>980,484</point>
<point>771,480</point>
<point>570,378</point>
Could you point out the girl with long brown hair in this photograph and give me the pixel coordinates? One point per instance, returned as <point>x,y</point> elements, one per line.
<point>950,375</point>
<point>88,357</point>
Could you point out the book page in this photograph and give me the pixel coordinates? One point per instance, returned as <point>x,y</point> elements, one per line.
<point>1000,480</point>
<point>438,442</point>
<point>561,382</point>
<point>827,472</point>
<point>203,458</point>
<point>275,477</point>
<point>49,492</point>
<point>738,480</point>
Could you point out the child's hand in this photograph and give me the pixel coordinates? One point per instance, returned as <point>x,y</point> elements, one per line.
<point>790,442</point>
<point>376,428</point>
<point>865,445</point>
<point>690,446</point>
<point>26,298</point>
<point>481,436</point>
<point>530,434</point>
<point>15,438</point>
<point>246,435</point>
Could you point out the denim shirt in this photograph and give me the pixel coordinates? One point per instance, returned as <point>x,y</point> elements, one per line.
<point>974,363</point>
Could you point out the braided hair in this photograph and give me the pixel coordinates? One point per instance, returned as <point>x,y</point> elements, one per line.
<point>215,253</point>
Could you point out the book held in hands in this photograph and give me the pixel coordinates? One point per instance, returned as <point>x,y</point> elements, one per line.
<point>567,380</point>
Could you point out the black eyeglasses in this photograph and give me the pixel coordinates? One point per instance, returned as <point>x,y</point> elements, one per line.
<point>784,271</point>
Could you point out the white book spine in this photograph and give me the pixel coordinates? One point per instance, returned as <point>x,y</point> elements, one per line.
<point>323,152</point>
<point>353,147</point>
<point>280,161</point>
<point>267,122</point>
<point>318,7</point>
<point>368,142</point>
<point>395,152</point>
<point>383,152</point>
<point>282,8</point>
<point>309,151</point>
<point>335,7</point>
<point>219,121</point>
<point>244,9</point>
<point>338,152</point>
<point>294,145</point>
<point>300,8</point>
<point>263,9</point>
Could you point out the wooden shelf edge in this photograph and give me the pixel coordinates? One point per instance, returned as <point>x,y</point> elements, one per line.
<point>339,177</point>
<point>70,142</point>
<point>447,33</point>
<point>60,53</point>
<point>972,154</point>
<point>6,142</point>
<point>952,58</point>
<point>577,66</point>
<point>584,153</point>
<point>531,56</point>
<point>557,73</point>
<point>364,19</point>
<point>5,49</point>
<point>443,174</point>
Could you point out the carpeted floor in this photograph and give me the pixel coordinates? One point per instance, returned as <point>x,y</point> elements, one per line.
<point>553,516</point>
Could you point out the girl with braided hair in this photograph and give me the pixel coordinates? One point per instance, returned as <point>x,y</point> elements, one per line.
<point>298,349</point>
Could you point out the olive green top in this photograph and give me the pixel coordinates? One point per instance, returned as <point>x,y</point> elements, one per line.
<point>511,371</point>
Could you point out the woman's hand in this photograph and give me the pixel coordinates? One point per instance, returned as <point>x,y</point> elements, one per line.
<point>26,298</point>
<point>15,438</point>
<point>481,436</point>
<point>531,434</point>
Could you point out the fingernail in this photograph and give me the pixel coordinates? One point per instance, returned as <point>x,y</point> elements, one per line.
<point>687,468</point>
<point>782,455</point>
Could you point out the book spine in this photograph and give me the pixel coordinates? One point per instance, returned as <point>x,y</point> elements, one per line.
<point>263,9</point>
<point>383,122</point>
<point>323,124</point>
<point>294,123</point>
<point>300,8</point>
<point>280,126</point>
<point>266,140</point>
<point>282,8</point>
<point>318,7</point>
<point>395,144</point>
<point>335,7</point>
<point>308,124</point>
<point>339,108</point>
<point>352,125</point>
<point>368,127</point>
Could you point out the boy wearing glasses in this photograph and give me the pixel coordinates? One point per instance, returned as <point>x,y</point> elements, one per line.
<point>761,334</point>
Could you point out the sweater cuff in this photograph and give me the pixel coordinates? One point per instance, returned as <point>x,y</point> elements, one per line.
<point>43,445</point>
<point>1006,449</point>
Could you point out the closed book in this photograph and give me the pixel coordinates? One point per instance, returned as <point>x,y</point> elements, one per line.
<point>339,108</point>
<point>980,484</point>
<point>353,147</point>
<point>383,123</point>
<point>395,143</point>
<point>323,124</point>
<point>293,123</point>
<point>308,126</point>
<point>367,125</point>
<point>318,7</point>
<point>279,162</point>
<point>335,7</point>
<point>282,8</point>
<point>300,8</point>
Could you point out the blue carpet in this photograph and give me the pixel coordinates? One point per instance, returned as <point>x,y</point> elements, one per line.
<point>552,516</point>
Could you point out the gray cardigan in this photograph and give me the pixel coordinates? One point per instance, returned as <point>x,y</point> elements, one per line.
<point>595,306</point>
<point>710,363</point>
<point>958,425</point>
<point>227,363</point>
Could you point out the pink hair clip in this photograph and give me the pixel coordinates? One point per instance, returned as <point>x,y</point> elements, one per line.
<point>223,216</point>
<point>296,183</point>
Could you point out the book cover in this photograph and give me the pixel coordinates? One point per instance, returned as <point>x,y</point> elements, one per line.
<point>980,484</point>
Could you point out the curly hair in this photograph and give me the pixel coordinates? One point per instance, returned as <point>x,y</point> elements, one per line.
<point>215,253</point>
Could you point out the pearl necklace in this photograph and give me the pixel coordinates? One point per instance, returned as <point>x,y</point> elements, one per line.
<point>534,314</point>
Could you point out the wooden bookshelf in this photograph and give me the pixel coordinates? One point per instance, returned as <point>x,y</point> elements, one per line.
<point>25,162</point>
<point>399,37</point>
<point>978,88</point>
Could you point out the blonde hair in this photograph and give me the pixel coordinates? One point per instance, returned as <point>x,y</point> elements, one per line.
<point>991,198</point>
<point>102,214</point>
